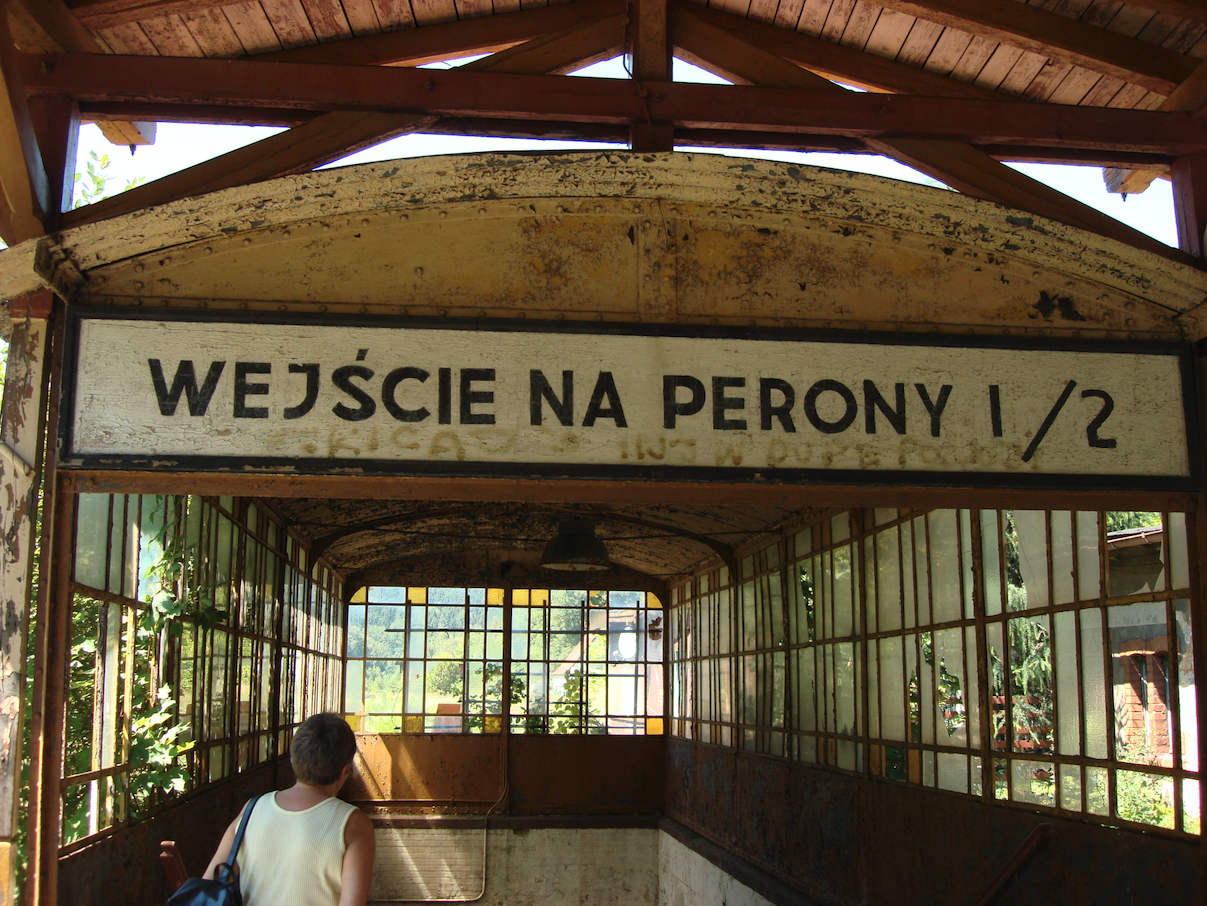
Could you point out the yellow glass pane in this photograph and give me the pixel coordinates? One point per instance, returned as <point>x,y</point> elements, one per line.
<point>540,597</point>
<point>494,597</point>
<point>492,725</point>
<point>519,597</point>
<point>361,596</point>
<point>652,602</point>
<point>417,595</point>
<point>412,723</point>
<point>653,726</point>
<point>353,721</point>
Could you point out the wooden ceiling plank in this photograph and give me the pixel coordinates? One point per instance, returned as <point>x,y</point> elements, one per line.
<point>95,15</point>
<point>1104,91</point>
<point>889,36</point>
<point>833,60</point>
<point>24,187</point>
<point>473,9</point>
<point>953,163</point>
<point>449,40</point>
<point>947,51</point>
<point>362,17</point>
<point>999,65</point>
<point>171,38</point>
<point>129,39</point>
<point>213,33</point>
<point>335,135</point>
<point>1101,13</point>
<point>1046,80</point>
<point>1022,74</point>
<point>1073,88</point>
<point>836,20</point>
<point>250,24</point>
<point>918,46</point>
<point>787,14</point>
<point>973,60</point>
<point>394,14</point>
<point>1057,36</point>
<point>813,16</point>
<point>763,10</point>
<point>860,24</point>
<point>1183,9</point>
<point>327,19</point>
<point>61,31</point>
<point>433,12</point>
<point>289,21</point>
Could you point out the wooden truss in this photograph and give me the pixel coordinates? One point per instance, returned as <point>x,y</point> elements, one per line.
<point>353,91</point>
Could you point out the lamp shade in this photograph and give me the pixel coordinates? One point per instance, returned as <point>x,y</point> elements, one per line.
<point>575,548</point>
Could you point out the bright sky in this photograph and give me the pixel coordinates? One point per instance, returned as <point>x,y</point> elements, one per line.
<point>178,146</point>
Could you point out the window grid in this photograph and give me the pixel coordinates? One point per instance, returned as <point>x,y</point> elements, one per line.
<point>206,666</point>
<point>1038,658</point>
<point>438,660</point>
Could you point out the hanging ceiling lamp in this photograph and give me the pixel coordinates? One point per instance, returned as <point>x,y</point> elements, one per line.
<point>575,549</point>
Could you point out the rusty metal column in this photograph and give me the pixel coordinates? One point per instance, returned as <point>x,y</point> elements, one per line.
<point>22,426</point>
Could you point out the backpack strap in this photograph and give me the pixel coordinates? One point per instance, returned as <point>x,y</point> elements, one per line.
<point>228,867</point>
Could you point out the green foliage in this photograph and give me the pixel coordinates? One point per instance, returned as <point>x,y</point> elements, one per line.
<point>90,185</point>
<point>573,714</point>
<point>155,752</point>
<point>93,184</point>
<point>948,692</point>
<point>173,598</point>
<point>1118,521</point>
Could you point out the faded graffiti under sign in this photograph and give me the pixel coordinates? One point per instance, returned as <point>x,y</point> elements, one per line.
<point>302,393</point>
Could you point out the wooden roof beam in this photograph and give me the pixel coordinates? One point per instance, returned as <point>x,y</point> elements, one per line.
<point>650,49</point>
<point>956,164</point>
<point>25,203</point>
<point>1189,97</point>
<point>1059,37</point>
<point>449,40</point>
<point>813,106</point>
<point>833,61</point>
<point>334,135</point>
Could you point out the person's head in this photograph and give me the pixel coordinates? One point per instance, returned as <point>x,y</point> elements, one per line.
<point>322,747</point>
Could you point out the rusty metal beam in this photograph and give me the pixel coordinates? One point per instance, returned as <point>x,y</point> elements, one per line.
<point>557,491</point>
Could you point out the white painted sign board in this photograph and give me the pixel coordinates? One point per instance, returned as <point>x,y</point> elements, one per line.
<point>309,396</point>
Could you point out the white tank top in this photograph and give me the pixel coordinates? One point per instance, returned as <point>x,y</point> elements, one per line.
<point>293,858</point>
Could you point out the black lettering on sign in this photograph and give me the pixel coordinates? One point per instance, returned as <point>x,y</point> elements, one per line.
<point>389,394</point>
<point>605,388</point>
<point>722,403</point>
<point>540,389</point>
<point>848,415</point>
<point>935,407</point>
<point>311,370</point>
<point>245,388</point>
<point>995,409</point>
<point>469,396</point>
<point>1091,430</point>
<point>184,382</point>
<point>782,410</point>
<point>444,396</point>
<point>342,378</point>
<point>872,400</point>
<point>671,407</point>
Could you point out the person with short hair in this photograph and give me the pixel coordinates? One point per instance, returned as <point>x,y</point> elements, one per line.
<point>302,845</point>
